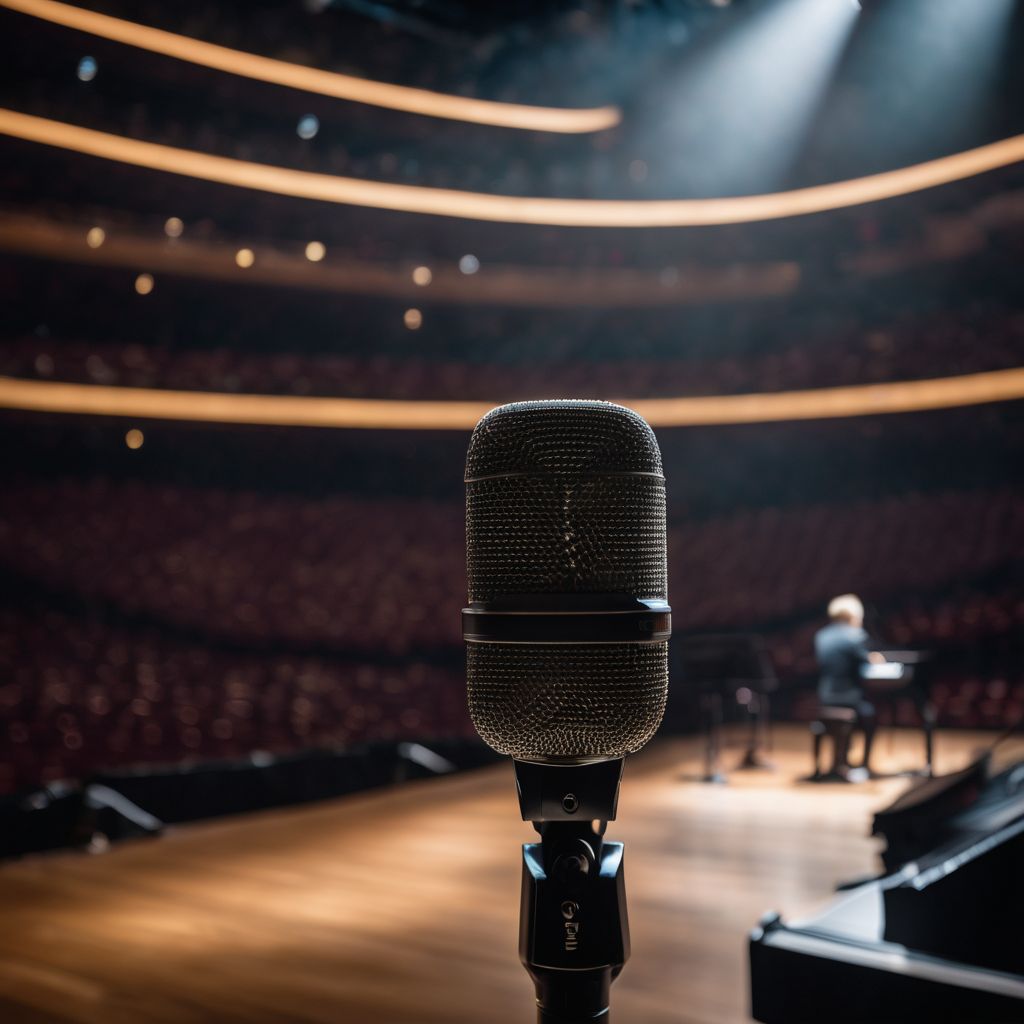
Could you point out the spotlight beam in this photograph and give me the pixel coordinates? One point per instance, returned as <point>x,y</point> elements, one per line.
<point>745,99</point>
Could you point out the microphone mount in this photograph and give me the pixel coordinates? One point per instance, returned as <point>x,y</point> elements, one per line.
<point>573,932</point>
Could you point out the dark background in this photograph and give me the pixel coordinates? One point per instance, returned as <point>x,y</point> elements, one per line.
<point>221,590</point>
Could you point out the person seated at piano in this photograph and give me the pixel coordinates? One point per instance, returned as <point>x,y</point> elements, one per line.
<point>842,651</point>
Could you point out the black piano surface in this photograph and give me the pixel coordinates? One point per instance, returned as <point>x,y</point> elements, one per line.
<point>939,939</point>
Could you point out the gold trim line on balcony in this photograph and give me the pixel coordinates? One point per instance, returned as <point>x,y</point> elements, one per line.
<point>388,414</point>
<point>410,100</point>
<point>600,213</point>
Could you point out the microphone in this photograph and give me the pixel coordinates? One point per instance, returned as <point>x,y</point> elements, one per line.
<point>567,632</point>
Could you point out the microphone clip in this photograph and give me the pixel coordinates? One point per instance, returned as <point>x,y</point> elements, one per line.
<point>588,791</point>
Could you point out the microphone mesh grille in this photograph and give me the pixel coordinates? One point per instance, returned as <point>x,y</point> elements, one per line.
<point>565,497</point>
<point>550,507</point>
<point>542,701</point>
<point>562,436</point>
<point>564,535</point>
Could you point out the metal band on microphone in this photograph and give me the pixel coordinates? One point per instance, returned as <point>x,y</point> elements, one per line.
<point>647,622</point>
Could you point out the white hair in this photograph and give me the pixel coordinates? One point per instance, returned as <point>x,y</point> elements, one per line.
<point>846,606</point>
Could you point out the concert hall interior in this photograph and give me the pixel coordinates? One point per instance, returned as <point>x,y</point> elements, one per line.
<point>329,325</point>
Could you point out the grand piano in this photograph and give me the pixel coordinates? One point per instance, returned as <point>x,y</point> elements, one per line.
<point>937,938</point>
<point>905,675</point>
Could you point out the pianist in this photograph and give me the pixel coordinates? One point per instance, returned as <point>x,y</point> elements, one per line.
<point>842,651</point>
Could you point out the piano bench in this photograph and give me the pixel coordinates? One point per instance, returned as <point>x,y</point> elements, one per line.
<point>838,724</point>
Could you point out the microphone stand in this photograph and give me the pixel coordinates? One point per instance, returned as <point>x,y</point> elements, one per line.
<point>573,929</point>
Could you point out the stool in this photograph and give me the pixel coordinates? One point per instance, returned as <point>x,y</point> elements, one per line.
<point>837,723</point>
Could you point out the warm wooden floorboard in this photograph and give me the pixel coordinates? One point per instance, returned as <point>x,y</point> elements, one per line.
<point>401,907</point>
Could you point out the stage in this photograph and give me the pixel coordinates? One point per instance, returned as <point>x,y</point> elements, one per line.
<point>401,906</point>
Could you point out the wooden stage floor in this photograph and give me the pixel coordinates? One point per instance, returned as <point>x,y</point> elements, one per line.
<point>401,906</point>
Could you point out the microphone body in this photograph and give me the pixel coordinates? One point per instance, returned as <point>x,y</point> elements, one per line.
<point>568,622</point>
<point>567,632</point>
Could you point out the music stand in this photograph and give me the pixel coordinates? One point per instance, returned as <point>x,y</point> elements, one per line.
<point>734,665</point>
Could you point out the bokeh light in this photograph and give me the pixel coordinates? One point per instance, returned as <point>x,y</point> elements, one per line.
<point>308,126</point>
<point>422,276</point>
<point>87,68</point>
<point>95,237</point>
<point>173,227</point>
<point>315,251</point>
<point>144,284</point>
<point>134,438</point>
<point>245,258</point>
<point>413,319</point>
<point>469,264</point>
<point>637,171</point>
